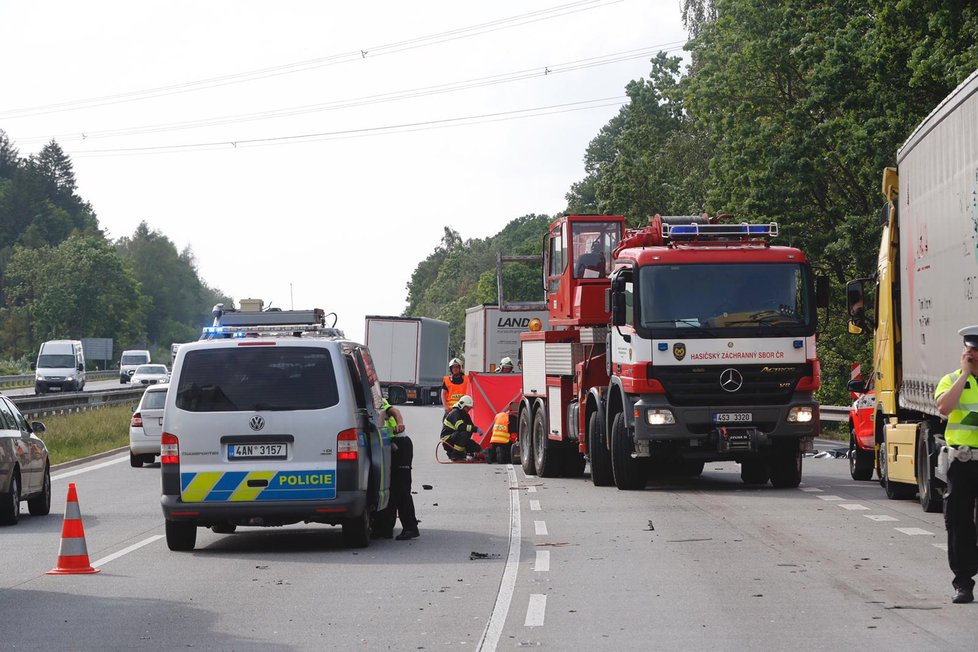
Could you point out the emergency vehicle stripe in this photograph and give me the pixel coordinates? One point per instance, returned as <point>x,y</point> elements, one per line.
<point>196,487</point>
<point>245,493</point>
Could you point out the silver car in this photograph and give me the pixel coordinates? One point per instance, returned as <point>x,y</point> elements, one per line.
<point>150,374</point>
<point>146,426</point>
<point>25,471</point>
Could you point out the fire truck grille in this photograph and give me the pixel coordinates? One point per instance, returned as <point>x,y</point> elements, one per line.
<point>730,385</point>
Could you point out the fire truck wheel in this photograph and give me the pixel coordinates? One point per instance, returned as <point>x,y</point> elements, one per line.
<point>860,462</point>
<point>629,472</point>
<point>928,487</point>
<point>786,467</point>
<point>754,472</point>
<point>601,473</point>
<point>546,455</point>
<point>526,444</point>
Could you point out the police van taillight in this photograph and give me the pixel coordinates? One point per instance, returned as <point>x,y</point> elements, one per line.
<point>346,445</point>
<point>137,421</point>
<point>169,449</point>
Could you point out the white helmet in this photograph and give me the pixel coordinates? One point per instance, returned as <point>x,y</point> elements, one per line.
<point>506,362</point>
<point>453,362</point>
<point>464,402</point>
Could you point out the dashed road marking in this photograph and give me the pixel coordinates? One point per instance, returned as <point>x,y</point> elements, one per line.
<point>914,531</point>
<point>542,564</point>
<point>853,507</point>
<point>942,546</point>
<point>880,518</point>
<point>126,551</point>
<point>534,505</point>
<point>812,490</point>
<point>830,498</point>
<point>541,528</point>
<point>531,489</point>
<point>536,611</point>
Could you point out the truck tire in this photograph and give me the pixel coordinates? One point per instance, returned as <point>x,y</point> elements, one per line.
<point>930,490</point>
<point>754,471</point>
<point>861,462</point>
<point>526,444</point>
<point>786,466</point>
<point>180,535</point>
<point>546,454</point>
<point>601,473</point>
<point>629,472</point>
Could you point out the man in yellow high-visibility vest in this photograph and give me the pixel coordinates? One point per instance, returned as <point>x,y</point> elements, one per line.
<point>957,399</point>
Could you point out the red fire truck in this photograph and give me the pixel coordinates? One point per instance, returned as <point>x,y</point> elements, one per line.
<point>686,341</point>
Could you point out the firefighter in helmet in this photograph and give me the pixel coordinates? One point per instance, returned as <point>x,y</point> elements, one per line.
<point>453,386</point>
<point>457,430</point>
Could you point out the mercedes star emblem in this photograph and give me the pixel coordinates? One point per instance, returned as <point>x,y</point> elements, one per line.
<point>257,422</point>
<point>731,380</point>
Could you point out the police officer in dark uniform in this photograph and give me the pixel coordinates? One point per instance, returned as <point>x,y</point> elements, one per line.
<point>957,399</point>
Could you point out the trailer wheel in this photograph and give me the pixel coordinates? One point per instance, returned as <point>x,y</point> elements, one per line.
<point>546,455</point>
<point>860,462</point>
<point>754,472</point>
<point>526,444</point>
<point>928,487</point>
<point>601,473</point>
<point>786,467</point>
<point>629,472</point>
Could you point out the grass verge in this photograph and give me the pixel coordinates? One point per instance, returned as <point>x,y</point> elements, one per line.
<point>73,436</point>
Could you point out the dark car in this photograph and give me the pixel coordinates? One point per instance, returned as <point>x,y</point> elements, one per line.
<point>25,471</point>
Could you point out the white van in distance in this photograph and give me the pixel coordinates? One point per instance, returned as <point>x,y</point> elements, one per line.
<point>129,361</point>
<point>60,365</point>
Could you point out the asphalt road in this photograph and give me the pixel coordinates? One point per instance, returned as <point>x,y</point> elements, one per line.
<point>698,564</point>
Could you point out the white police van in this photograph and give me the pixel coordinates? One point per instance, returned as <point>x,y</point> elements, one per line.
<point>272,420</point>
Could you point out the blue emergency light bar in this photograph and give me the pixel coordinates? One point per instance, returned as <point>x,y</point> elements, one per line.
<point>241,332</point>
<point>742,230</point>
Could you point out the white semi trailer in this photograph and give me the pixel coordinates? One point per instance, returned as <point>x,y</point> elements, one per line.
<point>410,355</point>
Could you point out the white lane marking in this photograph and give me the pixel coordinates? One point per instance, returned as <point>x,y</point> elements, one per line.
<point>86,469</point>
<point>126,551</point>
<point>852,507</point>
<point>880,518</point>
<point>541,528</point>
<point>830,497</point>
<point>811,489</point>
<point>500,610</point>
<point>942,546</point>
<point>531,489</point>
<point>534,505</point>
<point>536,611</point>
<point>913,531</point>
<point>542,564</point>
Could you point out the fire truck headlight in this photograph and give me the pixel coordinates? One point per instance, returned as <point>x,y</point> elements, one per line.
<point>801,414</point>
<point>659,417</point>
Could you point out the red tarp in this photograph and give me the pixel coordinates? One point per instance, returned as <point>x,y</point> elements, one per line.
<point>491,394</point>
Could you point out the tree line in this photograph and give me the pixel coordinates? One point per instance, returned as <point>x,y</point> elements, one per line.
<point>784,111</point>
<point>62,278</point>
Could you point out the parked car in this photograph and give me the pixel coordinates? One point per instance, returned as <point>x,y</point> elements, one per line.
<point>146,426</point>
<point>149,374</point>
<point>25,472</point>
<point>862,433</point>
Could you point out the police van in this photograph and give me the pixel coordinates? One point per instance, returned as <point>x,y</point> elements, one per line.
<point>272,419</point>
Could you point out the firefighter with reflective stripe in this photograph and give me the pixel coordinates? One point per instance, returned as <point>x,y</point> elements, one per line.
<point>453,386</point>
<point>401,504</point>
<point>457,430</point>
<point>501,438</point>
<point>957,399</point>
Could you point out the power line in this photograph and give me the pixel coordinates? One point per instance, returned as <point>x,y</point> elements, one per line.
<point>310,64</point>
<point>426,91</point>
<point>407,127</point>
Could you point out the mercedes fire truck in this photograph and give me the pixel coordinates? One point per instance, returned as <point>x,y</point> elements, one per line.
<point>686,341</point>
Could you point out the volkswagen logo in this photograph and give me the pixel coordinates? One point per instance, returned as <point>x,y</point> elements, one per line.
<point>731,380</point>
<point>257,422</point>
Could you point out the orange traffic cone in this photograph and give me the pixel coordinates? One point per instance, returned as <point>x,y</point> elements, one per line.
<point>73,555</point>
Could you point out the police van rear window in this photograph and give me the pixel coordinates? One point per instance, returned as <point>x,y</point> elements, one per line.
<point>229,379</point>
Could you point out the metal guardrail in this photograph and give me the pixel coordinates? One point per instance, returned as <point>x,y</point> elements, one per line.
<point>834,412</point>
<point>28,379</point>
<point>63,403</point>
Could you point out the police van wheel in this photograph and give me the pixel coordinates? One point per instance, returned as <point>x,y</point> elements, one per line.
<point>601,473</point>
<point>629,473</point>
<point>180,535</point>
<point>928,489</point>
<point>356,531</point>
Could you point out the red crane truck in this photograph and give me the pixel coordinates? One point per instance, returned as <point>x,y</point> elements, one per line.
<point>686,341</point>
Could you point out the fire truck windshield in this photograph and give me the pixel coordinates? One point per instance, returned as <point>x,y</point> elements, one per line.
<point>727,298</point>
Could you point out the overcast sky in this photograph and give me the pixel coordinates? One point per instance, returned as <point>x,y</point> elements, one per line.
<point>312,152</point>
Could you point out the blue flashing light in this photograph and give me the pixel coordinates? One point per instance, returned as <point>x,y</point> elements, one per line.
<point>798,344</point>
<point>663,346</point>
<point>688,229</point>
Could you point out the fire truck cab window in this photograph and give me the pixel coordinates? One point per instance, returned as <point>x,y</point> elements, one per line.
<point>593,243</point>
<point>558,258</point>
